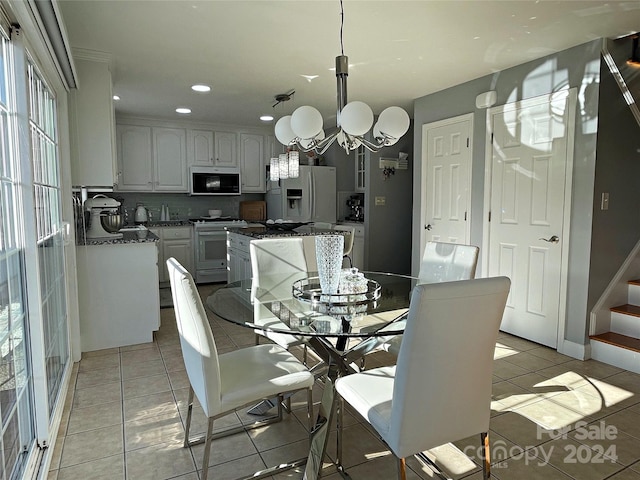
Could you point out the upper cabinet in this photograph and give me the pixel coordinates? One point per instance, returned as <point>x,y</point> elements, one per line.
<point>252,163</point>
<point>151,159</point>
<point>92,124</point>
<point>225,149</point>
<point>213,149</point>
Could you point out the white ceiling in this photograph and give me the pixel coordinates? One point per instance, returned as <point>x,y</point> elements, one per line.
<point>249,51</point>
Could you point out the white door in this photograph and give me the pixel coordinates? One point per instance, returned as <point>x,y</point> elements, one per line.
<point>530,169</point>
<point>447,180</point>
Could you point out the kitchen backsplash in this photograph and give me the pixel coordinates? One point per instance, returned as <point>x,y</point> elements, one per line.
<point>181,206</point>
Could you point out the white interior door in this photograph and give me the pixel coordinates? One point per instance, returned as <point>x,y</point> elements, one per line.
<point>530,162</point>
<point>447,180</point>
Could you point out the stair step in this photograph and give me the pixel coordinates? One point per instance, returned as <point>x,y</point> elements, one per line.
<point>618,340</point>
<point>627,309</point>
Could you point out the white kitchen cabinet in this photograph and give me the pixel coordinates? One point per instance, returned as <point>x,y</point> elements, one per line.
<point>151,159</point>
<point>238,257</point>
<point>92,122</point>
<point>170,160</point>
<point>135,163</point>
<point>174,242</point>
<point>207,148</point>
<point>118,295</point>
<point>225,149</point>
<point>200,148</point>
<point>252,163</point>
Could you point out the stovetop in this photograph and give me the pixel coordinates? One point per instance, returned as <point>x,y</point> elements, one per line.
<point>222,222</point>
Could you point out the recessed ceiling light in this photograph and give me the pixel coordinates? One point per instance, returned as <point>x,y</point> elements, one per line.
<point>183,110</point>
<point>266,118</point>
<point>201,88</point>
<point>116,97</point>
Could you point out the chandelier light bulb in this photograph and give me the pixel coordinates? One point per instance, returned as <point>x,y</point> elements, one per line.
<point>356,118</point>
<point>283,131</point>
<point>393,121</point>
<point>306,122</point>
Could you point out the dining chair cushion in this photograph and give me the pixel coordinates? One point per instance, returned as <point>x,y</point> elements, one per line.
<point>257,372</point>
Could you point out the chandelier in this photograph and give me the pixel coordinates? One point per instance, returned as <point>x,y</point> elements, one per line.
<point>304,128</point>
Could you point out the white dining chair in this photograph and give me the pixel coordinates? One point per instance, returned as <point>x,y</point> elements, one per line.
<point>349,236</point>
<point>276,263</point>
<point>440,389</point>
<point>224,383</point>
<point>441,262</point>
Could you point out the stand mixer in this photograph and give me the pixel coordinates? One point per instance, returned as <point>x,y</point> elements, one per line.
<point>99,206</point>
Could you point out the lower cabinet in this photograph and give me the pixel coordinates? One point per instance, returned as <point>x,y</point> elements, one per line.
<point>238,257</point>
<point>176,242</point>
<point>118,294</point>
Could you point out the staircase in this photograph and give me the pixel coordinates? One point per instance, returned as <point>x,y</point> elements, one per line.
<point>620,346</point>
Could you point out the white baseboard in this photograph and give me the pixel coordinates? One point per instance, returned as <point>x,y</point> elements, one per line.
<point>575,350</point>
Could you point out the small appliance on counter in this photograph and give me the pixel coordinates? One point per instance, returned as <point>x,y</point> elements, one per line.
<point>105,219</point>
<point>142,215</point>
<point>357,211</point>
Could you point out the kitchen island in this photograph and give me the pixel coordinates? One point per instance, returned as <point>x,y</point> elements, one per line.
<point>238,239</point>
<point>118,293</point>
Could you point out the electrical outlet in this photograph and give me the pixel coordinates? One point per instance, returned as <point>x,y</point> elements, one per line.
<point>381,201</point>
<point>604,202</point>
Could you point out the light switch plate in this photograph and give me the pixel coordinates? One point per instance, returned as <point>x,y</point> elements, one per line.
<point>604,202</point>
<point>381,201</point>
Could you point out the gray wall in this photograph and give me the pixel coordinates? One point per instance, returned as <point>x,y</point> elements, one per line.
<point>617,230</point>
<point>575,67</point>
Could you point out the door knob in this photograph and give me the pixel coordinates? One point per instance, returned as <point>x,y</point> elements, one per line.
<point>553,239</point>
<point>427,227</point>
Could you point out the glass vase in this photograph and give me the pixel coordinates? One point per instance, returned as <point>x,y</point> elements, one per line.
<point>329,251</point>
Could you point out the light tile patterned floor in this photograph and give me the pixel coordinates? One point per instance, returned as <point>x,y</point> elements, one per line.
<point>553,417</point>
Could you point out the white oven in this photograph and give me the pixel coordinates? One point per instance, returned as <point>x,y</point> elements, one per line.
<point>211,249</point>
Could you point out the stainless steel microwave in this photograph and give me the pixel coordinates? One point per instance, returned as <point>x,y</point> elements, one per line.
<point>214,181</point>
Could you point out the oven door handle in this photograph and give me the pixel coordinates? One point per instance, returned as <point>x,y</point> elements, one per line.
<point>212,234</point>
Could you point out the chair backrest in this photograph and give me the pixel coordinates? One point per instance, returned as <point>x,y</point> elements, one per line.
<point>442,389</point>
<point>276,263</point>
<point>323,225</point>
<point>348,237</point>
<point>446,262</point>
<point>198,347</point>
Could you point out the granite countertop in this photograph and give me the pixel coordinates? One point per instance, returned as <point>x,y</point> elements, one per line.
<point>264,232</point>
<point>140,236</point>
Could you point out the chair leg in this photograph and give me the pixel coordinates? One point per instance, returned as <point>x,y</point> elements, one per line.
<point>189,412</point>
<point>207,451</point>
<point>339,427</point>
<point>310,419</point>
<point>402,469</point>
<point>486,456</point>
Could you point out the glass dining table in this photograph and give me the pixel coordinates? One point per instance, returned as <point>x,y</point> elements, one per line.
<point>341,329</point>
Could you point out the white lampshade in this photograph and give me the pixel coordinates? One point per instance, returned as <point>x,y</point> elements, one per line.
<point>294,164</point>
<point>274,169</point>
<point>283,131</point>
<point>306,143</point>
<point>283,167</point>
<point>393,121</point>
<point>306,122</point>
<point>356,118</point>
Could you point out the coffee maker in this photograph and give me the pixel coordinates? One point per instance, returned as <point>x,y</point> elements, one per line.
<point>99,206</point>
<point>357,211</point>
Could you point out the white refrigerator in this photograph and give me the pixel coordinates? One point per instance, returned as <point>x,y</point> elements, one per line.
<point>309,198</point>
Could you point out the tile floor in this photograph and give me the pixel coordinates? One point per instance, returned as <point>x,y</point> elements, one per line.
<point>553,417</point>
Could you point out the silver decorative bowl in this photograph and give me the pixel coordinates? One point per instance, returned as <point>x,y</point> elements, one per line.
<point>112,222</point>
